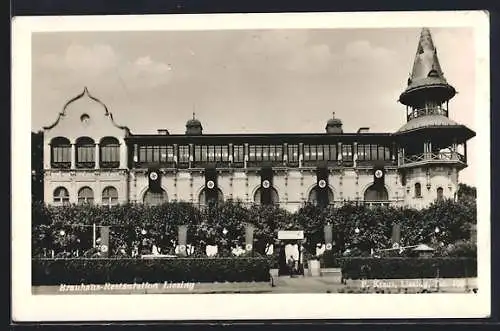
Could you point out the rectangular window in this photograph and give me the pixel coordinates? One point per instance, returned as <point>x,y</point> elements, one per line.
<point>347,152</point>
<point>362,152</point>
<point>142,154</point>
<point>309,153</point>
<point>258,153</point>
<point>371,152</point>
<point>320,152</point>
<point>156,154</point>
<point>293,153</point>
<point>110,153</point>
<point>209,153</point>
<point>85,153</point>
<point>254,153</point>
<point>384,153</point>
<point>333,152</point>
<point>238,153</point>
<point>183,153</point>
<point>61,154</point>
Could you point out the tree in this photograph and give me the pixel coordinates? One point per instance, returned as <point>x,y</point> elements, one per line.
<point>466,192</point>
<point>37,166</point>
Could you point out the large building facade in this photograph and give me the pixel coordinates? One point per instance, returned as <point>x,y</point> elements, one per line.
<point>88,158</point>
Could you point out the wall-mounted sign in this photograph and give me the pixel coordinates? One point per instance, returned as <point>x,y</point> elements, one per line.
<point>291,235</point>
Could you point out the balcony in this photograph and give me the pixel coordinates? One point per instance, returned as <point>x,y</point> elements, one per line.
<point>440,157</point>
<point>435,110</point>
<point>335,204</point>
<point>85,165</point>
<point>60,165</point>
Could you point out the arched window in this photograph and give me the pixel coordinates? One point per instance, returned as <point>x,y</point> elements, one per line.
<point>85,153</point>
<point>204,199</point>
<point>376,195</point>
<point>314,196</point>
<point>60,153</point>
<point>153,198</point>
<point>85,195</point>
<point>439,193</point>
<point>274,196</point>
<point>109,153</point>
<point>109,196</point>
<point>61,196</point>
<point>418,190</point>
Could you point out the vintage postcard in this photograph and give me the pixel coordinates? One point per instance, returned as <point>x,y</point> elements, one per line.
<point>210,167</point>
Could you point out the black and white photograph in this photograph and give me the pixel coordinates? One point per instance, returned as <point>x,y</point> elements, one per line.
<point>223,166</point>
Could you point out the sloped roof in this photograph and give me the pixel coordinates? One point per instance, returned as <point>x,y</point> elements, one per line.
<point>423,248</point>
<point>426,71</point>
<point>427,121</point>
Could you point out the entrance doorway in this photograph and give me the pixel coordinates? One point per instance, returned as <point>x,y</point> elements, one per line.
<point>290,248</point>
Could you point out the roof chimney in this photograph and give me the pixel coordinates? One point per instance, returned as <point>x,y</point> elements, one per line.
<point>163,132</point>
<point>363,130</point>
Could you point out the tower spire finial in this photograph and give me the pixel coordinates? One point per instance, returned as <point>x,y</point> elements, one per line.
<point>333,114</point>
<point>426,74</point>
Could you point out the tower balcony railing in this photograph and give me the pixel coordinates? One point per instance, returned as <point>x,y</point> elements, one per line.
<point>436,110</point>
<point>439,156</point>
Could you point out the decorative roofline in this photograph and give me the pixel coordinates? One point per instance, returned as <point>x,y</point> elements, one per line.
<point>79,96</point>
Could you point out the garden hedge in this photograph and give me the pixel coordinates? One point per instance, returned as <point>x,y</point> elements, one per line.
<point>130,270</point>
<point>206,226</point>
<point>407,268</point>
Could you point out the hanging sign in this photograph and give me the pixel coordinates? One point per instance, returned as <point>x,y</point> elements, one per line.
<point>291,235</point>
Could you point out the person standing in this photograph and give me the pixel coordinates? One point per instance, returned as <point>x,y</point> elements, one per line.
<point>291,265</point>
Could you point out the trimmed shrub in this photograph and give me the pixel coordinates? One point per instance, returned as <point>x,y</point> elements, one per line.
<point>407,268</point>
<point>206,226</point>
<point>329,259</point>
<point>127,270</point>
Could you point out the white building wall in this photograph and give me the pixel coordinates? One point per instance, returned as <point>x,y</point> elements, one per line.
<point>97,180</point>
<point>430,180</point>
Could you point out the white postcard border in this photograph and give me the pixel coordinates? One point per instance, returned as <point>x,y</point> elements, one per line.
<point>28,307</point>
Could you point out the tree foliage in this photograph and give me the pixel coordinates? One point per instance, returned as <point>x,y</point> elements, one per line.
<point>357,228</point>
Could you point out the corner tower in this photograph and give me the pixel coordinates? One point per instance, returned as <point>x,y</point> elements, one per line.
<point>432,147</point>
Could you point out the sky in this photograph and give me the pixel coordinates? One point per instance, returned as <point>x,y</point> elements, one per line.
<point>254,81</point>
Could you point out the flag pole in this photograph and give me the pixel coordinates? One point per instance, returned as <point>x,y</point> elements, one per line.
<point>93,235</point>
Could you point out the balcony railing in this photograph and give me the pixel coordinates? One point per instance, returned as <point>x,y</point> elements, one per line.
<point>335,204</point>
<point>441,156</point>
<point>109,164</point>
<point>61,165</point>
<point>85,165</point>
<point>417,112</point>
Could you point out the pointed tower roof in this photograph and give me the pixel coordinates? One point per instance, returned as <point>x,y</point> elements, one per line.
<point>426,74</point>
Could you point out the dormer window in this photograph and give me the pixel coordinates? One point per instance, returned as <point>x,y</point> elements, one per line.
<point>433,73</point>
